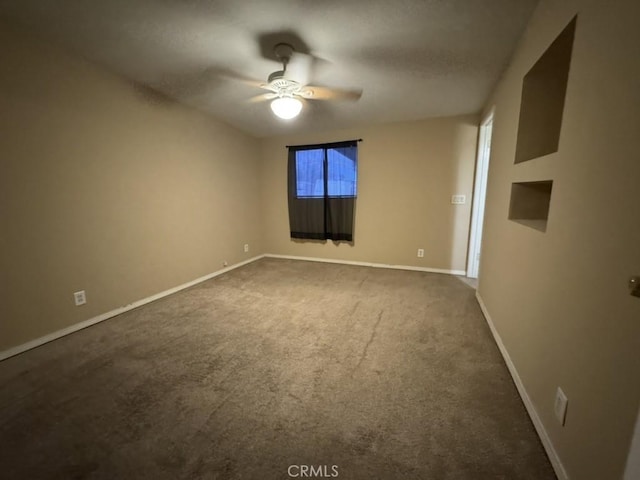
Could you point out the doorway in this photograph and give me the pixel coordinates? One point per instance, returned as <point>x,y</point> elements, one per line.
<point>479,196</point>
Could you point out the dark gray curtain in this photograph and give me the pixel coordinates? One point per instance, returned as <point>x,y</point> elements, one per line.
<point>328,215</point>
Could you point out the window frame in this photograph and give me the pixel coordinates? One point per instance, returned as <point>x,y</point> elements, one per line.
<point>322,217</point>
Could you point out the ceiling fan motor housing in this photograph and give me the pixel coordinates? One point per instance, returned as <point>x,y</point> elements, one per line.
<point>277,82</point>
<point>283,86</point>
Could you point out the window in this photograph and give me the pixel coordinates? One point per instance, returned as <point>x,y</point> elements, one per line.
<point>341,172</point>
<point>322,190</point>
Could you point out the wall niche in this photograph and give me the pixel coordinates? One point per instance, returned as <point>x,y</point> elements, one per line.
<point>542,102</point>
<point>530,202</point>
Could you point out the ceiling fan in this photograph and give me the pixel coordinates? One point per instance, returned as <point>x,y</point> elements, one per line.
<point>287,88</point>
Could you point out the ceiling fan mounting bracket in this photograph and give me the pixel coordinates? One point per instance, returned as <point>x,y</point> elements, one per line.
<point>283,52</point>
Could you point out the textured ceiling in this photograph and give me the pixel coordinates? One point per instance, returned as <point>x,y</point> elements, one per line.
<point>412,59</point>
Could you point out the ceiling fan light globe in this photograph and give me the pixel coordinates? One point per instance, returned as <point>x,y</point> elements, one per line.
<point>286,107</point>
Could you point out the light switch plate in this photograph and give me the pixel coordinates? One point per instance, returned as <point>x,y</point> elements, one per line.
<point>458,199</point>
<point>79,298</point>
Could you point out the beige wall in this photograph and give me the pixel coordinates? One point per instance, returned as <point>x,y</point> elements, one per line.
<point>105,188</point>
<point>407,173</point>
<point>559,299</point>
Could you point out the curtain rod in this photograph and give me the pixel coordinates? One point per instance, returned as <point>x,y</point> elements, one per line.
<point>328,143</point>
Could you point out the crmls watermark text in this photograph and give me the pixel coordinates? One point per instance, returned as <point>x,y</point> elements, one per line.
<point>313,471</point>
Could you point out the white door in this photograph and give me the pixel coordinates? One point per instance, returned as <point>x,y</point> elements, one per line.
<point>479,196</point>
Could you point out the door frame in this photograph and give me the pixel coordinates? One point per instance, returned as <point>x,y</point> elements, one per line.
<point>480,194</point>
<point>632,470</point>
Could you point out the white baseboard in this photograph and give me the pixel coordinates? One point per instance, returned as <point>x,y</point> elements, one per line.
<point>104,316</point>
<point>368,264</point>
<point>544,437</point>
<point>561,473</point>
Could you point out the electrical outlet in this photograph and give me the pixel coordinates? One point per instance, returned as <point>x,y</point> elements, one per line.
<point>224,264</point>
<point>560,406</point>
<point>421,252</point>
<point>246,247</point>
<point>80,298</point>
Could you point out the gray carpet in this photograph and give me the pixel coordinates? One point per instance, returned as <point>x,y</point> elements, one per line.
<point>383,374</point>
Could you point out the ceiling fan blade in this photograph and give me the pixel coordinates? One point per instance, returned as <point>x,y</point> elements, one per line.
<point>225,73</point>
<point>312,92</point>
<point>263,97</point>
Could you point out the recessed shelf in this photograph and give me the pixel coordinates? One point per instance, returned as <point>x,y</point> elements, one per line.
<point>542,102</point>
<point>530,202</point>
